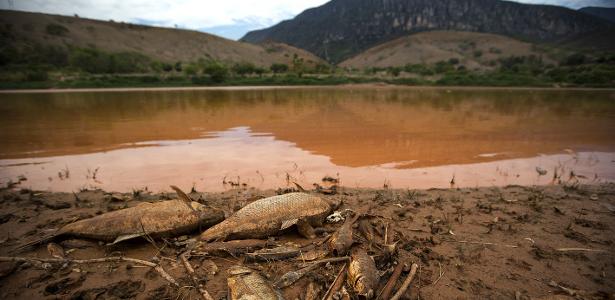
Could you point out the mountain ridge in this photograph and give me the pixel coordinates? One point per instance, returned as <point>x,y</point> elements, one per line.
<point>607,13</point>
<point>25,29</point>
<point>341,29</point>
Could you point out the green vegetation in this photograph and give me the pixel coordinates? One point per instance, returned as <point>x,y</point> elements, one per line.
<point>55,29</point>
<point>279,68</point>
<point>37,66</point>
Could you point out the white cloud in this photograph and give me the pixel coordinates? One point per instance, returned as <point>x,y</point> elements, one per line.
<point>229,18</point>
<point>191,14</point>
<point>574,4</point>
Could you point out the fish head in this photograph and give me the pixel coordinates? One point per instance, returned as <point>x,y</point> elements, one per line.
<point>365,292</point>
<point>198,206</point>
<point>239,270</point>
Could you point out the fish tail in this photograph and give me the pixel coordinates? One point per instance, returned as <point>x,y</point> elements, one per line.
<point>40,241</point>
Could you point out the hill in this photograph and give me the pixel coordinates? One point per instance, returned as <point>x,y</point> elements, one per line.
<point>470,49</point>
<point>607,13</point>
<point>341,29</point>
<point>22,30</point>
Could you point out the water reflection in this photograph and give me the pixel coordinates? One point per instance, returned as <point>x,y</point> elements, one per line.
<point>370,134</point>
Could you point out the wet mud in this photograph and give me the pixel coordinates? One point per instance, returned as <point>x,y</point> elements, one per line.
<point>513,242</point>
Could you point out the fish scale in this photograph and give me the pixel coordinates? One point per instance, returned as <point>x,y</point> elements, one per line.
<point>268,216</point>
<point>247,284</point>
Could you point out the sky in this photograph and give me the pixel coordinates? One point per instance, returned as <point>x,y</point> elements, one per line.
<point>227,18</point>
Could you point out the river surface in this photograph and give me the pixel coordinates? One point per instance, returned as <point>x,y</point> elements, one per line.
<point>367,136</point>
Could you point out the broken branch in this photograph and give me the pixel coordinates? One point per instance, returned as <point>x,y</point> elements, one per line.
<point>406,284</point>
<point>388,288</point>
<point>337,283</point>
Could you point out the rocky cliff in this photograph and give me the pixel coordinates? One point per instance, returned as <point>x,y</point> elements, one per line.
<point>343,28</point>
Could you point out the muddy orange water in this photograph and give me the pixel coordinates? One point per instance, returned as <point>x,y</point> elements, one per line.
<point>367,136</point>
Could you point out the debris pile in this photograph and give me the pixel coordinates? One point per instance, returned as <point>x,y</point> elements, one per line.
<point>382,244</point>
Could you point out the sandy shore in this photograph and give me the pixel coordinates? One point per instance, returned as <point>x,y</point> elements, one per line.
<point>513,242</point>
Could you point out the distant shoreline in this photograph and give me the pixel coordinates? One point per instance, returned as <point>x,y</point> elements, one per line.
<point>276,87</point>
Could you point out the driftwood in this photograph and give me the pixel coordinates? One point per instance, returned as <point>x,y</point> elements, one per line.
<point>204,294</point>
<point>406,284</point>
<point>388,288</point>
<point>156,267</point>
<point>337,283</point>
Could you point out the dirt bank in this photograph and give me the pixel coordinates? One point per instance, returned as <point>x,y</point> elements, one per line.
<point>488,243</point>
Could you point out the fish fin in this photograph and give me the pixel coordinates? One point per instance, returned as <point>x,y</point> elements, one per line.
<point>300,188</point>
<point>305,229</point>
<point>286,224</point>
<point>186,199</point>
<point>40,241</point>
<point>126,237</point>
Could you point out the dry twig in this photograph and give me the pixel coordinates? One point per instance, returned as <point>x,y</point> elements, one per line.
<point>327,260</point>
<point>441,274</point>
<point>481,243</point>
<point>580,249</point>
<point>195,280</point>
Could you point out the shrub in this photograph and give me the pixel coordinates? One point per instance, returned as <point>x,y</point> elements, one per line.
<point>56,29</point>
<point>394,71</point>
<point>478,53</point>
<point>244,68</point>
<point>167,67</point>
<point>191,69</point>
<point>216,71</point>
<point>574,60</point>
<point>279,68</point>
<point>443,67</point>
<point>321,68</point>
<point>128,62</point>
<point>90,60</point>
<point>36,75</point>
<point>200,80</point>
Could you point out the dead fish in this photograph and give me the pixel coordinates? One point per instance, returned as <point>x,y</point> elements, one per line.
<point>161,219</point>
<point>341,241</point>
<point>245,283</point>
<point>269,216</point>
<point>366,229</point>
<point>344,295</point>
<point>362,273</point>
<point>278,253</point>
<point>292,276</point>
<point>56,251</point>
<point>312,255</point>
<point>312,291</point>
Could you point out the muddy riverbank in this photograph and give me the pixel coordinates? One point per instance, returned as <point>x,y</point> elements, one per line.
<point>513,242</point>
